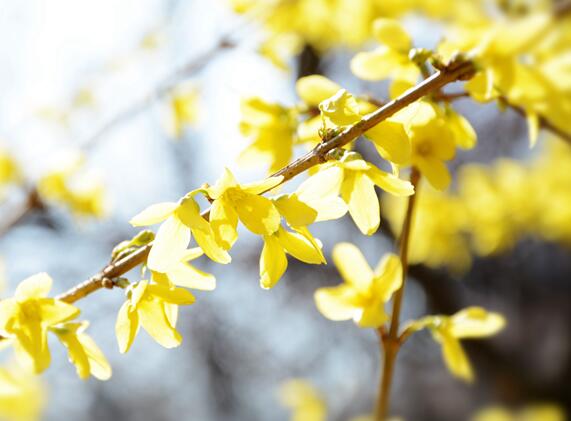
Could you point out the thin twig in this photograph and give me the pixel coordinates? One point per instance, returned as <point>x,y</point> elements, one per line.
<point>455,72</point>
<point>390,342</point>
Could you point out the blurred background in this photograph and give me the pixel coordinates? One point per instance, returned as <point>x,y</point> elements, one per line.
<point>93,78</point>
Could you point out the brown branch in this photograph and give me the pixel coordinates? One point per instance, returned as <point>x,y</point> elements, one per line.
<point>109,272</point>
<point>391,342</point>
<point>455,72</point>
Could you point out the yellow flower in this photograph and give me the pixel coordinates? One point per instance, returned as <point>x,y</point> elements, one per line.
<point>184,109</point>
<point>70,187</point>
<point>27,316</point>
<point>391,59</point>
<point>185,275</point>
<point>363,294</point>
<point>335,106</point>
<point>358,190</point>
<point>182,219</point>
<point>23,395</point>
<point>151,306</point>
<point>341,109</point>
<point>232,202</point>
<point>304,401</point>
<point>433,141</point>
<point>472,322</point>
<point>82,350</point>
<point>273,261</point>
<point>271,127</point>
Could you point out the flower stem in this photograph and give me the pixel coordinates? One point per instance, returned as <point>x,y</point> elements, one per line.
<point>391,342</point>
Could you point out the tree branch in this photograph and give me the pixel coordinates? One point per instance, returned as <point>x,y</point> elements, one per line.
<point>454,72</point>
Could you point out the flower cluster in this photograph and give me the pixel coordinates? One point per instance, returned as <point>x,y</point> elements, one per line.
<point>492,208</point>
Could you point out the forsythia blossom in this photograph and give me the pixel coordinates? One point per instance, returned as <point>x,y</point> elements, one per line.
<point>363,294</point>
<point>27,317</point>
<point>391,59</point>
<point>181,220</point>
<point>154,307</point>
<point>472,322</point>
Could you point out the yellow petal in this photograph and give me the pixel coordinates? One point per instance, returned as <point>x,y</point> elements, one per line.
<point>358,191</point>
<point>226,181</point>
<point>481,86</point>
<point>55,311</point>
<point>296,212</point>
<point>342,109</point>
<point>154,320</point>
<point>475,322</point>
<point>464,134</point>
<point>263,186</point>
<point>391,33</point>
<point>76,354</point>
<point>189,214</point>
<point>208,244</point>
<point>154,214</point>
<point>258,214</point>
<point>273,262</point>
<point>352,265</point>
<point>456,359</point>
<point>388,276</point>
<point>435,172</point>
<point>300,247</point>
<point>391,141</point>
<point>371,316</point>
<point>376,65</point>
<point>224,223</point>
<point>315,88</point>
<point>170,243</point>
<point>98,364</point>
<point>192,254</point>
<point>179,296</point>
<point>32,339</point>
<point>36,286</point>
<point>126,327</point>
<point>321,192</point>
<point>389,182</point>
<point>419,113</point>
<point>336,303</point>
<point>185,275</point>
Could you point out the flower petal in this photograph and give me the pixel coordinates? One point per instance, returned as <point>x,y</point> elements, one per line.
<point>358,191</point>
<point>336,303</point>
<point>170,244</point>
<point>154,320</point>
<point>315,88</point>
<point>36,286</point>
<point>126,327</point>
<point>273,262</point>
<point>154,214</point>
<point>352,265</point>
